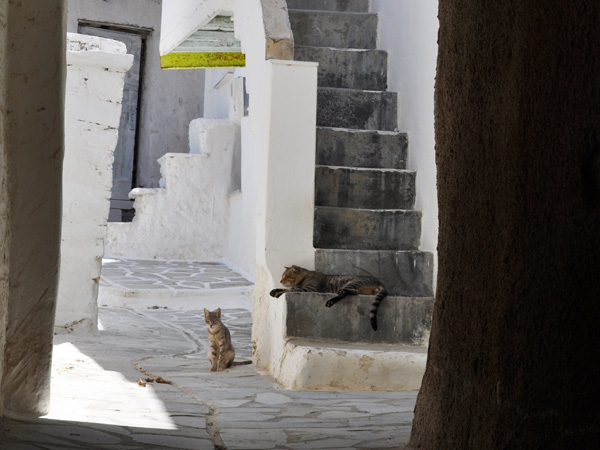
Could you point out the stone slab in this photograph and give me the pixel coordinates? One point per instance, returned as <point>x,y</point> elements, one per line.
<point>347,187</point>
<point>351,228</point>
<point>400,320</point>
<point>347,68</point>
<point>361,148</point>
<point>404,273</point>
<point>334,29</point>
<point>330,5</point>
<point>357,109</point>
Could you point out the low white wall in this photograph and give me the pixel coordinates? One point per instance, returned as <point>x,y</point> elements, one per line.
<point>187,218</point>
<point>408,30</point>
<point>96,69</point>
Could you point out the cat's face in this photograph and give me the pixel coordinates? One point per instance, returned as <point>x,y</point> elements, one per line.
<point>288,279</point>
<point>212,318</point>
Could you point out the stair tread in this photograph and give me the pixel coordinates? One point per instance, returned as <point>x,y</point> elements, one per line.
<point>346,67</point>
<point>360,346</point>
<point>319,28</point>
<point>358,130</point>
<point>327,12</point>
<point>375,210</point>
<point>372,169</point>
<point>330,5</point>
<point>355,91</point>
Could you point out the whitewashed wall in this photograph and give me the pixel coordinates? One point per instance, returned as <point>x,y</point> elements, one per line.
<point>170,99</point>
<point>408,30</point>
<point>185,219</point>
<point>281,129</point>
<point>96,69</point>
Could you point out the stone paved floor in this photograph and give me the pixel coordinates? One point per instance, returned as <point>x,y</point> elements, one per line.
<point>176,284</point>
<point>98,403</point>
<point>169,275</point>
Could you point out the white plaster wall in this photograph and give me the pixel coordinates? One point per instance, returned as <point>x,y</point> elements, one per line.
<point>187,218</point>
<point>241,248</point>
<point>282,127</point>
<point>170,99</point>
<point>96,69</point>
<point>408,30</point>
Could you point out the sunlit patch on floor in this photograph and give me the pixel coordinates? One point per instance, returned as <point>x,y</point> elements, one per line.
<point>81,387</point>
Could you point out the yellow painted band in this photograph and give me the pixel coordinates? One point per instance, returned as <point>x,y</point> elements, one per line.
<point>177,60</point>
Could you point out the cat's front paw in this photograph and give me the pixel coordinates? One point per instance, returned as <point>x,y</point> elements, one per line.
<point>276,293</point>
<point>213,369</point>
<point>332,302</point>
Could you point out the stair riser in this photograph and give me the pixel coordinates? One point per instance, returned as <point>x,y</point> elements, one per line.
<point>349,148</point>
<point>399,320</point>
<point>363,110</point>
<point>330,5</point>
<point>367,188</point>
<point>333,29</point>
<point>404,273</point>
<point>366,229</point>
<point>351,69</point>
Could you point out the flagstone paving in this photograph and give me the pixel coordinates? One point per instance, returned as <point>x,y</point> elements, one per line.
<point>99,400</point>
<point>176,284</point>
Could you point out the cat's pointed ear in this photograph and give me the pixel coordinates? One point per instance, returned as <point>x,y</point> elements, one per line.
<point>286,267</point>
<point>218,312</point>
<point>205,312</point>
<point>295,268</point>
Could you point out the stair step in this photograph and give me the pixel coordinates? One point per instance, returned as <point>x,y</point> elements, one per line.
<point>357,109</point>
<point>406,273</point>
<point>347,68</point>
<point>348,187</point>
<point>349,228</point>
<point>357,367</point>
<point>330,5</point>
<point>400,320</point>
<point>361,148</point>
<point>334,29</point>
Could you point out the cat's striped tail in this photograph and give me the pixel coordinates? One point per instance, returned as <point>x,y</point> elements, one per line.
<point>373,314</point>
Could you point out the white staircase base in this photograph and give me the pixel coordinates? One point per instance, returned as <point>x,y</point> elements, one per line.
<point>357,367</point>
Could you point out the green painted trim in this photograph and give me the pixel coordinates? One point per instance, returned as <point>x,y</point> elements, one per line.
<point>193,60</point>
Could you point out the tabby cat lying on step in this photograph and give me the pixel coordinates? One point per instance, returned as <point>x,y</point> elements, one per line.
<point>297,279</point>
<point>221,352</point>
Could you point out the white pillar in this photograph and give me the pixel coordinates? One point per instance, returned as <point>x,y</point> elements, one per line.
<point>96,69</point>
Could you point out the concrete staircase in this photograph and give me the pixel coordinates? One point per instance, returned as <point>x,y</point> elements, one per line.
<point>365,222</point>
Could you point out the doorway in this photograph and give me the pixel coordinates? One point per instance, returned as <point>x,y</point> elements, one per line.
<point>125,159</point>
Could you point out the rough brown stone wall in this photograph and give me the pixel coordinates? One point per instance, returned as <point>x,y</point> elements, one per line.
<point>514,354</point>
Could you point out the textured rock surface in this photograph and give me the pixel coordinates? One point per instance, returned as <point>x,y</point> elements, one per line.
<point>514,341</point>
<point>347,68</point>
<point>400,320</point>
<point>349,228</point>
<point>406,273</point>
<point>330,5</point>
<point>361,148</point>
<point>364,188</point>
<point>323,29</point>
<point>350,108</point>
<point>32,70</point>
